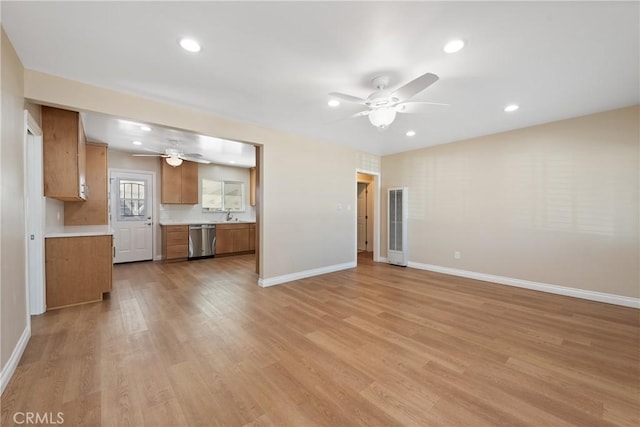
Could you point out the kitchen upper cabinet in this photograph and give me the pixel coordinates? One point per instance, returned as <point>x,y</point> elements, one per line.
<point>179,184</point>
<point>252,186</point>
<point>93,211</point>
<point>64,154</point>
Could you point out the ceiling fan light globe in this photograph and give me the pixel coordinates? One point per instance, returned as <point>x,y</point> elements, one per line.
<point>174,161</point>
<point>382,117</point>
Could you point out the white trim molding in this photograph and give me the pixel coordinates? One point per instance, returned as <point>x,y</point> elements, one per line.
<point>11,365</point>
<point>536,286</point>
<point>278,280</point>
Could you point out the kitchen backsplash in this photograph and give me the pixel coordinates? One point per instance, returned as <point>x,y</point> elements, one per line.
<point>194,213</point>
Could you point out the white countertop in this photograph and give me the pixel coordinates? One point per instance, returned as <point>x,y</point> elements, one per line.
<point>80,231</point>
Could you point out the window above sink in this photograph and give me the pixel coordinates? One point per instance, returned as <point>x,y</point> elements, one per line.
<point>222,196</point>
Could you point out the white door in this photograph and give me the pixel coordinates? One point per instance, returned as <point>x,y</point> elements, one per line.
<point>132,202</point>
<point>362,216</point>
<point>34,211</point>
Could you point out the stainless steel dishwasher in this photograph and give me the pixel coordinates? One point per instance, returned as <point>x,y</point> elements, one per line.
<point>202,240</point>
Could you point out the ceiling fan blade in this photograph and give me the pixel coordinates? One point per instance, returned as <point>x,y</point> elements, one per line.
<point>193,159</point>
<point>152,151</point>
<point>195,155</point>
<point>348,98</point>
<point>361,113</point>
<point>414,107</point>
<point>416,85</point>
<point>149,155</point>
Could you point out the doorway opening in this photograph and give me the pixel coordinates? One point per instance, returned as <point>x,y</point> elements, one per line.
<point>366,232</point>
<point>34,216</point>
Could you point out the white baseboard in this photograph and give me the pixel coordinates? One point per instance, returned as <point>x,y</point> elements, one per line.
<point>536,286</point>
<point>383,259</point>
<point>271,281</point>
<point>12,363</point>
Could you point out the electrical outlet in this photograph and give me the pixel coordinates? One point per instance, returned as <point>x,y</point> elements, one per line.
<point>456,254</point>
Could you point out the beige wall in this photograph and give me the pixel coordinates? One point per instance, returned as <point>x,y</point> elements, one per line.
<point>555,203</point>
<point>13,300</point>
<point>307,211</point>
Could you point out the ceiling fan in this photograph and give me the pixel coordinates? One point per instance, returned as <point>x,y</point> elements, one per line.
<point>174,156</point>
<point>383,104</point>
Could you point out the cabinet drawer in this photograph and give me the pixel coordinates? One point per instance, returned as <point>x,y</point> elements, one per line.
<point>177,251</point>
<point>233,226</point>
<point>177,228</point>
<point>177,238</point>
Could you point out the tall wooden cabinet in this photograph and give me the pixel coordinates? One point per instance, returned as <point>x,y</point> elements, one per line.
<point>64,157</point>
<point>179,184</point>
<point>93,211</point>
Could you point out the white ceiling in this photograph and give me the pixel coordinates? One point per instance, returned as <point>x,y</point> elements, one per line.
<point>273,63</point>
<point>120,133</point>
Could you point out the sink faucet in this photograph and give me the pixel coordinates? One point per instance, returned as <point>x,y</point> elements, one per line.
<point>229,217</point>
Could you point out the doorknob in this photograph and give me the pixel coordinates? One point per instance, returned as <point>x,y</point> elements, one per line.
<point>149,223</point>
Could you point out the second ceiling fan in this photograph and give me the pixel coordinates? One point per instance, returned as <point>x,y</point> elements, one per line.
<point>384,104</point>
<point>175,156</point>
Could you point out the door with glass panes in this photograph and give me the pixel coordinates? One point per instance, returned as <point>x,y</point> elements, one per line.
<point>132,215</point>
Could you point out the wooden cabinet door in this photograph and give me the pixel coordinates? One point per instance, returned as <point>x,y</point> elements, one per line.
<point>252,237</point>
<point>224,240</point>
<point>171,179</point>
<point>241,240</point>
<point>63,154</point>
<point>179,184</point>
<point>82,160</point>
<point>189,183</point>
<point>78,269</point>
<point>252,186</point>
<point>93,211</point>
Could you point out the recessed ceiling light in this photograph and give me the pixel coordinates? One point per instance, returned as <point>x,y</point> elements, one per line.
<point>145,128</point>
<point>232,162</point>
<point>190,45</point>
<point>333,103</point>
<point>511,108</point>
<point>137,143</point>
<point>453,46</point>
<point>411,133</point>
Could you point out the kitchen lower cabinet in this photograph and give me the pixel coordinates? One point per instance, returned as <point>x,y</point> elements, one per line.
<point>175,242</point>
<point>78,269</point>
<point>234,238</point>
<point>252,237</point>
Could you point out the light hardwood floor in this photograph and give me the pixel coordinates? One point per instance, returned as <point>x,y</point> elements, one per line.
<point>199,343</point>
